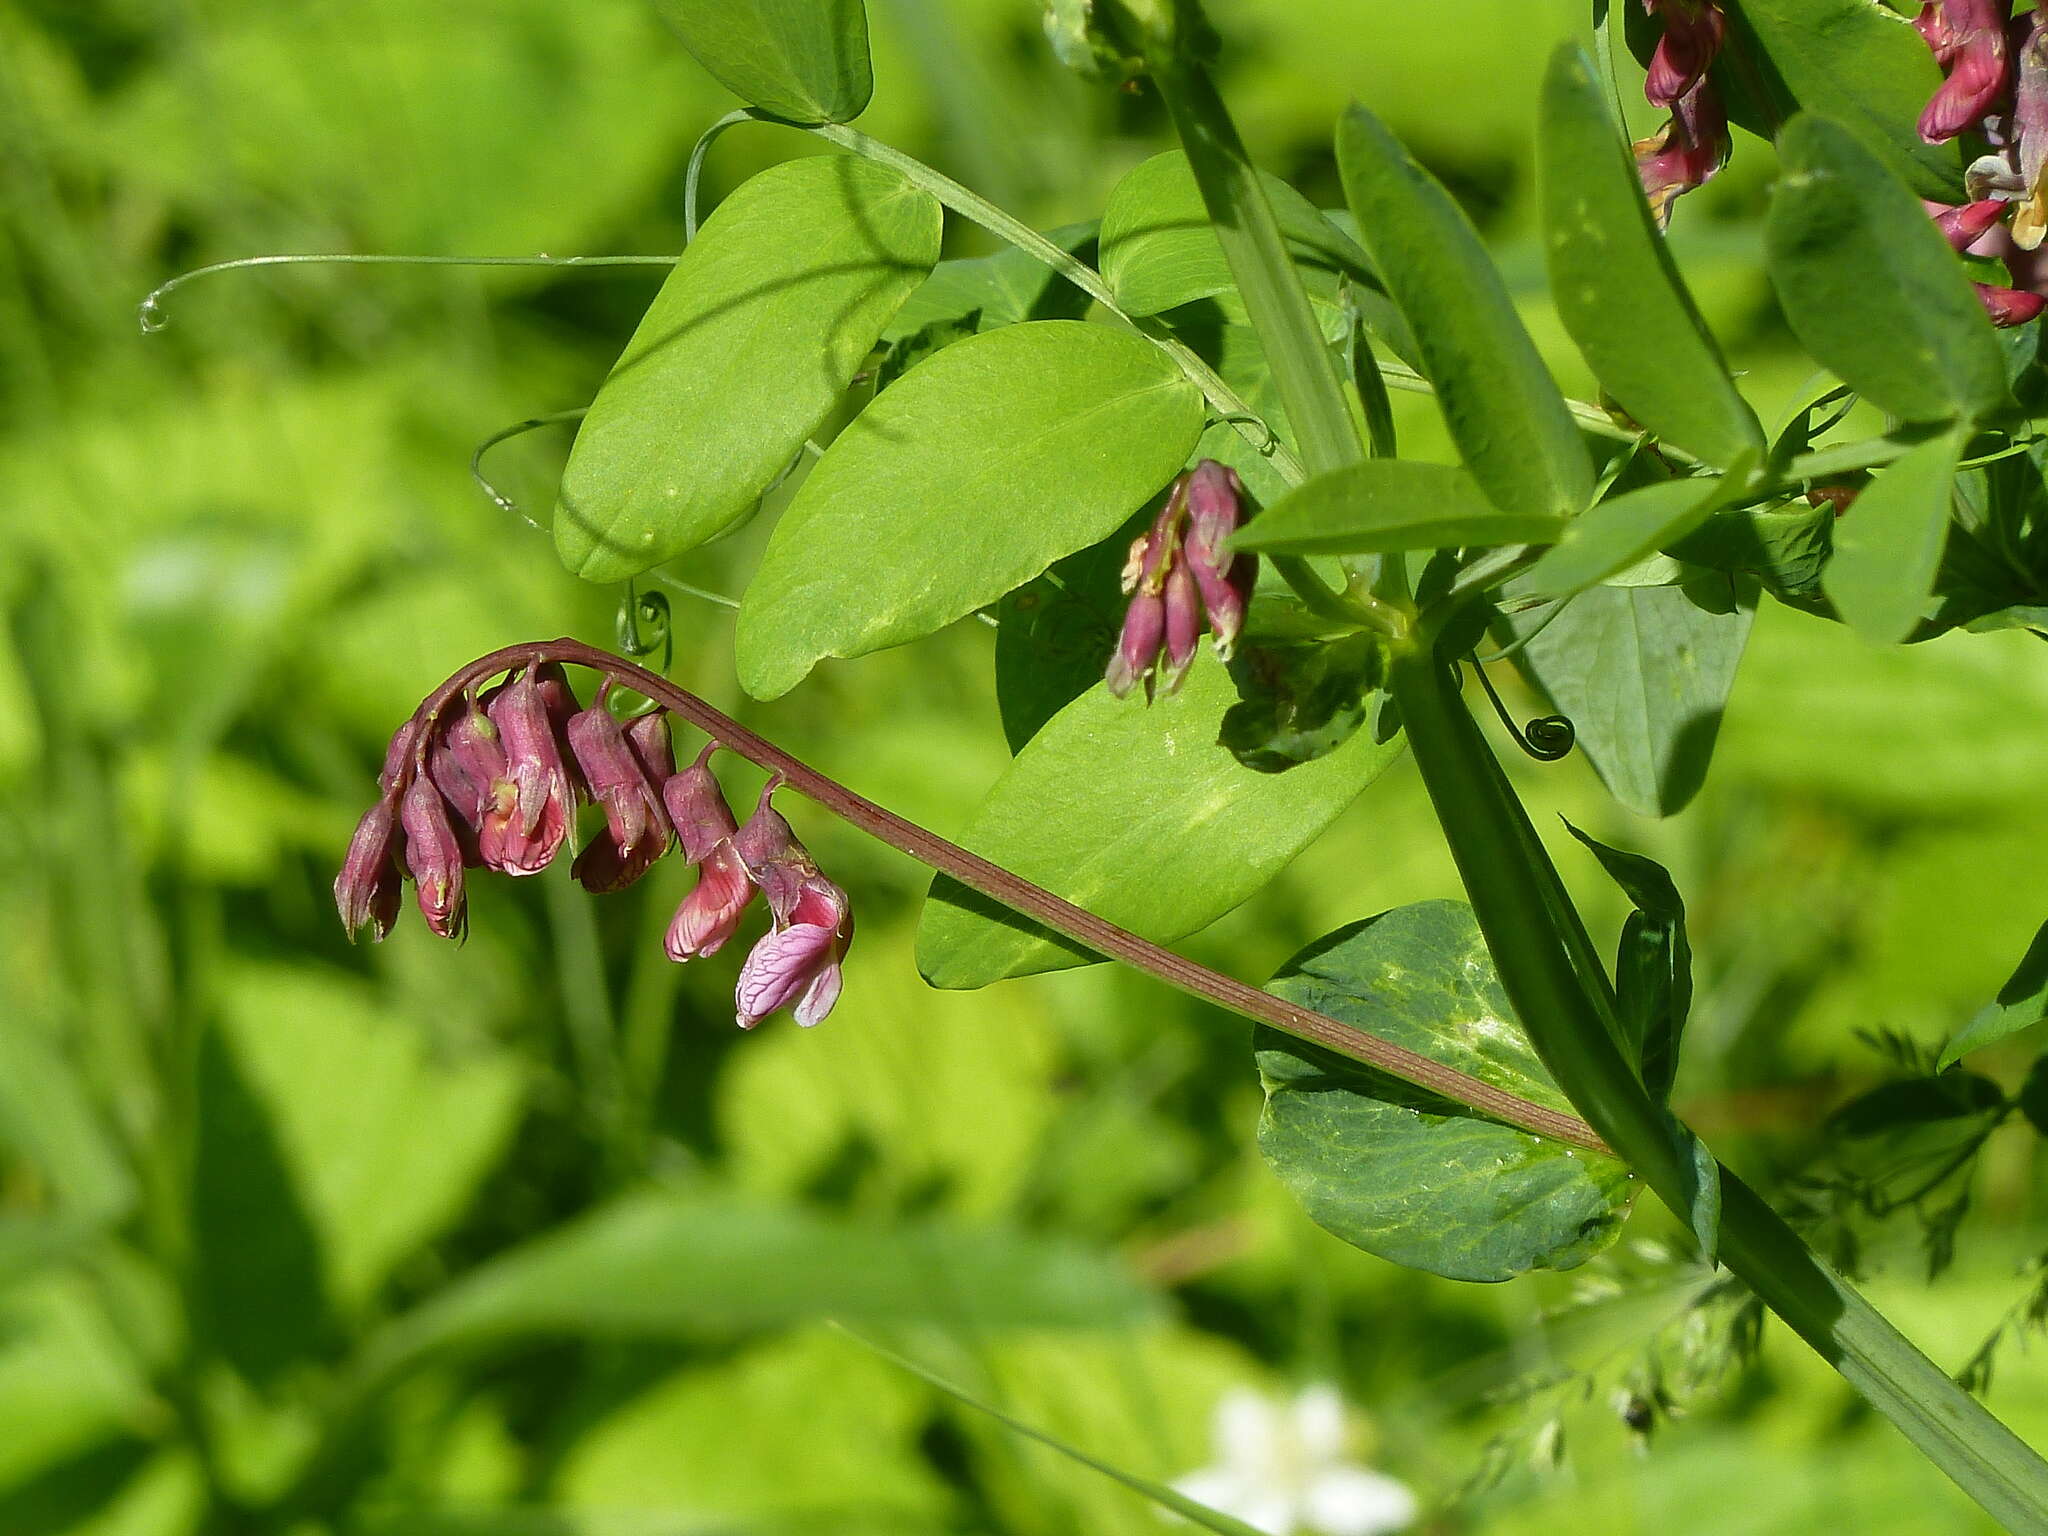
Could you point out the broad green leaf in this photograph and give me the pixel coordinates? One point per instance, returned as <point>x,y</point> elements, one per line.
<point>1857,61</point>
<point>1158,251</point>
<point>1643,674</point>
<point>751,341</point>
<point>1302,702</point>
<point>1888,543</point>
<point>1398,1171</point>
<point>1503,409</point>
<point>675,1266</point>
<point>2021,1003</point>
<point>1629,528</point>
<point>965,479</point>
<point>47,1120</point>
<point>806,60</point>
<point>1617,290</point>
<point>1784,546</point>
<point>1381,505</point>
<point>1054,635</point>
<point>1135,813</point>
<point>1870,287</point>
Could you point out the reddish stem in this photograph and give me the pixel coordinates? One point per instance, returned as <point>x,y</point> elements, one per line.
<point>999,884</point>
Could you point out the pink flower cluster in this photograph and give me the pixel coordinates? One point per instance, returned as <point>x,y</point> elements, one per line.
<point>1693,143</point>
<point>1995,85</point>
<point>1178,574</point>
<point>495,784</point>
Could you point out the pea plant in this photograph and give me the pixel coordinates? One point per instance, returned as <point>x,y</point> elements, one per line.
<point>1112,439</point>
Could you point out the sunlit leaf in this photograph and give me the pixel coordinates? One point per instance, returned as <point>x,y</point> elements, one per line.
<point>966,478</point>
<point>752,339</point>
<point>2020,1004</point>
<point>1398,1171</point>
<point>806,60</point>
<point>1888,543</point>
<point>1623,530</point>
<point>1380,505</point>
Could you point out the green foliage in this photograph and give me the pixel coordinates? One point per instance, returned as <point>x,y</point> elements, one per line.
<point>806,60</point>
<point>1402,1173</point>
<point>741,356</point>
<point>1503,410</point>
<point>1618,291</point>
<point>1870,287</point>
<point>1888,546</point>
<point>1643,674</point>
<point>1391,504</point>
<point>2020,1004</point>
<point>968,477</point>
<point>1628,529</point>
<point>1134,813</point>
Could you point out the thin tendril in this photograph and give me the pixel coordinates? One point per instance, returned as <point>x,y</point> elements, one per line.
<point>503,502</point>
<point>1521,640</point>
<point>703,594</point>
<point>150,312</point>
<point>1547,738</point>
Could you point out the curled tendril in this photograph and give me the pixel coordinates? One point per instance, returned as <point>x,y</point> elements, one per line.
<point>643,626</point>
<point>1546,738</point>
<point>499,499</point>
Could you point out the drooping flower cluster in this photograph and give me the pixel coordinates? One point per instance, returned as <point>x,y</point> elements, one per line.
<point>1179,572</point>
<point>1995,86</point>
<point>1693,144</point>
<point>493,781</point>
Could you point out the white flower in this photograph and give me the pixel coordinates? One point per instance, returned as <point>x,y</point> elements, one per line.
<point>1280,1468</point>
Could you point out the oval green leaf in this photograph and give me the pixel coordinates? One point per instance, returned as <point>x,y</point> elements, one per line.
<point>2021,1004</point>
<point>805,60</point>
<point>971,474</point>
<point>1888,544</point>
<point>1617,291</point>
<point>1628,528</point>
<point>1870,287</point>
<point>751,341</point>
<point>1397,1171</point>
<point>1382,505</point>
<point>1643,674</point>
<point>1138,815</point>
<point>1502,407</point>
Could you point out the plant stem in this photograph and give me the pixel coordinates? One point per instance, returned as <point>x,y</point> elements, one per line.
<point>993,881</point>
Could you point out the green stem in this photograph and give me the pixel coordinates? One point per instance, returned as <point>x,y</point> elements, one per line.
<point>1514,888</point>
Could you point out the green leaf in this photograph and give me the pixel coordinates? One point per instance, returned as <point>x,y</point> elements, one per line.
<point>47,1119</point>
<point>1503,410</point>
<point>1302,702</point>
<point>1397,1171</point>
<point>1159,252</point>
<point>806,60</point>
<point>1888,543</point>
<point>1054,635</point>
<point>673,1266</point>
<point>1381,505</point>
<point>2020,1004</point>
<point>749,344</point>
<point>1870,287</point>
<point>962,481</point>
<point>1617,290</point>
<point>1652,964</point>
<point>1784,546</point>
<point>1135,813</point>
<point>1643,674</point>
<point>998,289</point>
<point>1854,60</point>
<point>1622,531</point>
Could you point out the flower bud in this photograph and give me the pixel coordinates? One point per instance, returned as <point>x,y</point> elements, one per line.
<point>464,760</point>
<point>1969,40</point>
<point>528,815</point>
<point>1215,498</point>
<point>1963,224</point>
<point>632,806</point>
<point>647,735</point>
<point>1183,625</point>
<point>1686,152</point>
<point>368,888</point>
<point>434,857</point>
<point>1137,645</point>
<point>2009,306</point>
<point>696,805</point>
<point>711,913</point>
<point>1692,37</point>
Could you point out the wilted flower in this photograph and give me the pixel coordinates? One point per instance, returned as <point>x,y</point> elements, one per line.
<point>434,857</point>
<point>1280,1468</point>
<point>368,888</point>
<point>1686,152</point>
<point>465,760</point>
<point>796,961</point>
<point>1969,41</point>
<point>636,827</point>
<point>1179,573</point>
<point>531,805</point>
<point>710,914</point>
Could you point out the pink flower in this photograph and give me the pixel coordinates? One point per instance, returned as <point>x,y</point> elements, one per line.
<point>710,914</point>
<point>531,804</point>
<point>636,827</point>
<point>1686,152</point>
<point>797,961</point>
<point>369,886</point>
<point>464,760</point>
<point>1969,40</point>
<point>1178,574</point>
<point>1215,503</point>
<point>434,857</point>
<point>1692,37</point>
<point>2009,306</point>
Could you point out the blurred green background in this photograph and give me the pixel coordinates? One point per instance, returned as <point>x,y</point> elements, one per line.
<point>523,1236</point>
